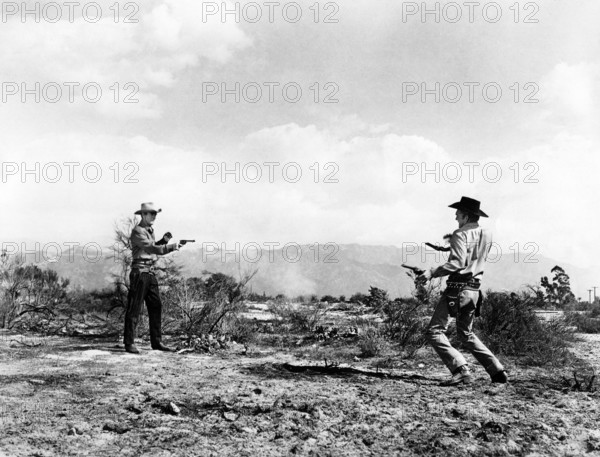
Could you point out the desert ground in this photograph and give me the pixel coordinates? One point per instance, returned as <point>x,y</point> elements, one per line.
<point>85,396</point>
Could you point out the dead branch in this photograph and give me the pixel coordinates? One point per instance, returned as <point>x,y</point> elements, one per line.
<point>333,369</point>
<point>27,345</point>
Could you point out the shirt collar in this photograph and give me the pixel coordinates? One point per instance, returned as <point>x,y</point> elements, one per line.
<point>469,225</point>
<point>147,227</point>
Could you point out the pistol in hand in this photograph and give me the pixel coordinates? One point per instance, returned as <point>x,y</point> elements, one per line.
<point>417,271</point>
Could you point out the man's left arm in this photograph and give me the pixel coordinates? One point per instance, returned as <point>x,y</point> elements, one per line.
<point>142,239</point>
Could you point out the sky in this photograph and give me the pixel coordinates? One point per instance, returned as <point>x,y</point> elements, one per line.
<point>345,122</point>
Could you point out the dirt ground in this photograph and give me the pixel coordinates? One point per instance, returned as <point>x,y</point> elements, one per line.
<point>87,397</point>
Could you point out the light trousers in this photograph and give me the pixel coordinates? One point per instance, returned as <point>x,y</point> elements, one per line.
<point>437,338</point>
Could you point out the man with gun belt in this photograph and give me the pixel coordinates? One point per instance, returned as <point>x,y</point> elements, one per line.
<point>469,246</point>
<point>143,286</point>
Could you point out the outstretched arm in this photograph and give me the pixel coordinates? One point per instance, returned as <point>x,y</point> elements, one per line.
<point>142,239</point>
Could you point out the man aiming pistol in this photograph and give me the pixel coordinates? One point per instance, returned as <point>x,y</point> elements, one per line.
<point>469,246</point>
<point>143,286</point>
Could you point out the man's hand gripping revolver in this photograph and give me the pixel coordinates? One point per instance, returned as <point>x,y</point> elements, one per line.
<point>168,236</point>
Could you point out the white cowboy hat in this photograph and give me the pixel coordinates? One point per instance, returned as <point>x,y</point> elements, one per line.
<point>148,208</point>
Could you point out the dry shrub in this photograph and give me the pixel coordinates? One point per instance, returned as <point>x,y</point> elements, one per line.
<point>405,320</point>
<point>371,342</point>
<point>586,322</point>
<point>303,317</point>
<point>241,330</point>
<point>209,305</point>
<point>405,323</point>
<point>32,298</point>
<point>509,326</point>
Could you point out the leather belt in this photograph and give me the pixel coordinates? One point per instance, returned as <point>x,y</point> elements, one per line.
<point>475,285</point>
<point>143,267</point>
<point>143,262</point>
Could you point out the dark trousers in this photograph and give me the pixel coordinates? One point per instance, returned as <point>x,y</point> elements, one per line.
<point>143,287</point>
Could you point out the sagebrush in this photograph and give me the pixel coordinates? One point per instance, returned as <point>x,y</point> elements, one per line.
<point>509,326</point>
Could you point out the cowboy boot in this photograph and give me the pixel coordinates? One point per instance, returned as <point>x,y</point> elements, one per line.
<point>161,347</point>
<point>132,348</point>
<point>501,377</point>
<point>460,376</point>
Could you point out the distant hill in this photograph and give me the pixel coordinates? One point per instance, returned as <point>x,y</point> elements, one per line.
<point>357,268</point>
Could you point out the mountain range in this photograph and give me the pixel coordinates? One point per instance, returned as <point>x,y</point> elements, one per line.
<point>353,268</point>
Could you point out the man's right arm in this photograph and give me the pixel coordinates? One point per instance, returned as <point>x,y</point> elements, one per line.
<point>456,260</point>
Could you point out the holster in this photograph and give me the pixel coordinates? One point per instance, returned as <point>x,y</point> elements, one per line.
<point>452,300</point>
<point>454,287</point>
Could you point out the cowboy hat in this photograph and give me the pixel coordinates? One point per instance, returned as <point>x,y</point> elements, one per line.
<point>468,205</point>
<point>148,208</point>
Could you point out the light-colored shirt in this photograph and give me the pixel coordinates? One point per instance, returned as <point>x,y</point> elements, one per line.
<point>144,249</point>
<point>469,247</point>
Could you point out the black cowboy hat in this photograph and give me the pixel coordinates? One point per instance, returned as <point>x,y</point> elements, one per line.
<point>468,205</point>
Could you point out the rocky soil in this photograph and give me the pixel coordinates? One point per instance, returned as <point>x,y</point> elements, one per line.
<point>81,397</point>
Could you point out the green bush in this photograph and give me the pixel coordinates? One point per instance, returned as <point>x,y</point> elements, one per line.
<point>241,330</point>
<point>377,299</point>
<point>32,298</point>
<point>586,322</point>
<point>359,298</point>
<point>583,306</point>
<point>405,322</point>
<point>371,342</point>
<point>198,306</point>
<point>509,326</point>
<point>301,317</point>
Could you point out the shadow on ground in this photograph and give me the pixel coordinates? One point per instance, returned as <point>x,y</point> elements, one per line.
<point>315,372</point>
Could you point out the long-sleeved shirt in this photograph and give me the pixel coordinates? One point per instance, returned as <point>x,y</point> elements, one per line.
<point>144,248</point>
<point>469,247</point>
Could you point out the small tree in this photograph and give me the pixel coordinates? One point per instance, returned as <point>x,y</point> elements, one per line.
<point>359,298</point>
<point>122,255</point>
<point>558,293</point>
<point>377,298</point>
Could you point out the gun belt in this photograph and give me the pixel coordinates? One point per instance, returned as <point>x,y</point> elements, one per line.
<point>461,285</point>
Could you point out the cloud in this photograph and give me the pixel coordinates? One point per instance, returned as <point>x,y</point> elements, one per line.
<point>367,170</point>
<point>571,96</point>
<point>371,198</point>
<point>153,53</point>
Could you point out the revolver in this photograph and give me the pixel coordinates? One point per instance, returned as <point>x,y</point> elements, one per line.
<point>168,236</point>
<point>417,271</point>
